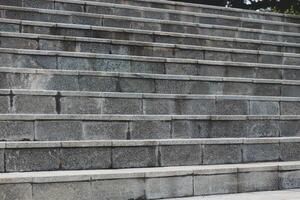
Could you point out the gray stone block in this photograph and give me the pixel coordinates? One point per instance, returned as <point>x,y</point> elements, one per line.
<point>54,82</point>
<point>34,104</point>
<point>190,129</point>
<point>222,154</point>
<point>118,189</point>
<point>289,180</point>
<point>4,104</point>
<point>62,191</point>
<point>85,158</point>
<point>99,84</point>
<point>16,191</point>
<point>122,106</point>
<point>10,27</point>
<point>267,89</point>
<point>228,129</point>
<point>215,55</point>
<point>244,57</point>
<point>17,160</point>
<point>182,87</point>
<point>105,130</point>
<point>257,181</point>
<point>261,152</point>
<point>150,130</point>
<point>289,151</point>
<point>175,155</point>
<point>179,69</point>
<point>58,130</point>
<point>137,85</point>
<point>235,88</point>
<point>289,128</point>
<point>2,161</point>
<point>232,107</point>
<point>263,128</point>
<point>196,107</point>
<point>215,184</point>
<point>80,105</point>
<point>126,157</point>
<point>169,187</point>
<point>264,108</point>
<point>16,130</point>
<point>159,106</point>
<point>74,63</point>
<point>290,108</point>
<point>290,90</point>
<point>268,73</point>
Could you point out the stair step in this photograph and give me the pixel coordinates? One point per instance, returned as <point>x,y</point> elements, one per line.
<point>35,14</point>
<point>70,80</point>
<point>152,183</point>
<point>147,49</point>
<point>51,127</point>
<point>201,8</point>
<point>291,194</point>
<point>83,155</point>
<point>83,102</point>
<point>159,14</point>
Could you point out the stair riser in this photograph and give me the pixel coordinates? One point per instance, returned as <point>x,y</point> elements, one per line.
<point>59,104</point>
<point>156,187</point>
<point>203,9</point>
<point>56,129</point>
<point>129,23</point>
<point>113,34</point>
<point>47,81</point>
<point>138,13</point>
<point>84,158</point>
<point>154,51</point>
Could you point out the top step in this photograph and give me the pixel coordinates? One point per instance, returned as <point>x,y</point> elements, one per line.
<point>200,8</point>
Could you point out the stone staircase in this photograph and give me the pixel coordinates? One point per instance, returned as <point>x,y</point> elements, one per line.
<point>146,99</point>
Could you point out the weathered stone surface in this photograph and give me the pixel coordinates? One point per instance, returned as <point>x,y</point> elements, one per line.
<point>190,129</point>
<point>165,187</point>
<point>196,107</point>
<point>105,130</point>
<point>125,157</point>
<point>16,130</point>
<point>137,85</point>
<point>174,155</point>
<point>150,130</point>
<point>118,189</point>
<point>290,128</point>
<point>34,104</point>
<point>215,184</point>
<point>58,130</point>
<point>122,106</point>
<point>289,180</point>
<point>62,191</point>
<point>290,108</point>
<point>228,129</point>
<point>4,104</point>
<point>264,108</point>
<point>80,105</point>
<point>289,151</point>
<point>232,107</point>
<point>159,106</point>
<point>220,154</point>
<point>257,181</point>
<point>22,191</point>
<point>32,159</point>
<point>261,152</point>
<point>263,128</point>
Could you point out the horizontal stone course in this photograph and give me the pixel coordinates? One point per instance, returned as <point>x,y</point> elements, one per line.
<point>151,183</point>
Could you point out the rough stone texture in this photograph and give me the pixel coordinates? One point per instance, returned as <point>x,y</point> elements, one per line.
<point>34,104</point>
<point>58,130</point>
<point>219,154</point>
<point>190,129</point>
<point>32,159</point>
<point>196,107</point>
<point>180,155</point>
<point>16,130</point>
<point>125,157</point>
<point>228,129</point>
<point>150,130</point>
<point>289,151</point>
<point>257,181</point>
<point>80,105</point>
<point>85,158</point>
<point>118,189</point>
<point>105,130</point>
<point>4,104</point>
<point>62,191</point>
<point>164,187</point>
<point>215,184</point>
<point>263,128</point>
<point>122,106</point>
<point>264,108</point>
<point>261,152</point>
<point>290,128</point>
<point>232,107</point>
<point>159,106</point>
<point>290,108</point>
<point>16,191</point>
<point>289,180</point>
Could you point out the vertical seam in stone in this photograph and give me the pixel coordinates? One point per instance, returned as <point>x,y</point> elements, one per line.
<point>111,157</point>
<point>85,8</point>
<point>242,152</point>
<point>4,160</point>
<point>158,155</point>
<point>57,103</point>
<point>34,130</point>
<point>128,133</point>
<point>171,129</point>
<point>11,100</point>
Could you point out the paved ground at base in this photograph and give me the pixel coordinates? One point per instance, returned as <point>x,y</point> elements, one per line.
<point>271,195</point>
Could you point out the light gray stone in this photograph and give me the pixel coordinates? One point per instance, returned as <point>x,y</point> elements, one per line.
<point>289,180</point>
<point>215,184</point>
<point>261,152</point>
<point>263,128</point>
<point>16,130</point>
<point>18,160</point>
<point>221,154</point>
<point>62,191</point>
<point>196,107</point>
<point>122,106</point>
<point>290,108</point>
<point>118,189</point>
<point>34,104</point>
<point>264,108</point>
<point>80,105</point>
<point>4,104</point>
<point>22,191</point>
<point>98,84</point>
<point>150,130</point>
<point>175,155</point>
<point>126,157</point>
<point>228,129</point>
<point>159,106</point>
<point>257,181</point>
<point>105,130</point>
<point>169,187</point>
<point>232,107</point>
<point>58,130</point>
<point>289,151</point>
<point>137,85</point>
<point>190,129</point>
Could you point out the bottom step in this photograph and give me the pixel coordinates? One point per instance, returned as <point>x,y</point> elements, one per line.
<point>270,195</point>
<point>150,183</point>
